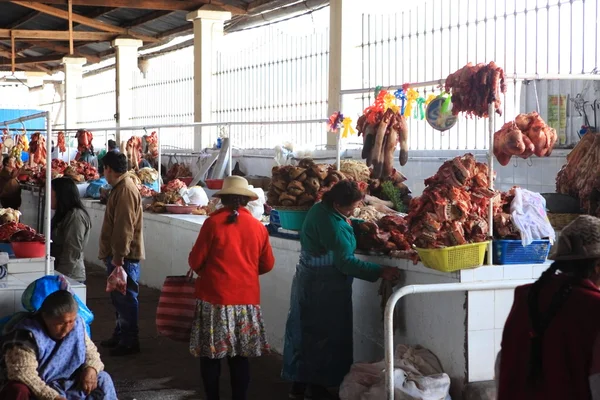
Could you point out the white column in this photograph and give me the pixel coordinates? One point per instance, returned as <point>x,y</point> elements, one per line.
<point>126,52</point>
<point>73,69</point>
<point>208,30</point>
<point>335,64</point>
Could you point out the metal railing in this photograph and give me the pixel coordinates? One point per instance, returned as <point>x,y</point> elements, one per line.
<point>432,288</point>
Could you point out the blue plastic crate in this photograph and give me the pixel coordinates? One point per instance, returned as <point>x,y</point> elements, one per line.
<point>513,252</point>
<point>274,218</point>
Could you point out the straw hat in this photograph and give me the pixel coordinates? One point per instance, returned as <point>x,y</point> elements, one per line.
<point>236,185</point>
<point>580,240</point>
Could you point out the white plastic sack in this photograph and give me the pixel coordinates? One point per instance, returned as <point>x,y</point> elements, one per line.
<point>417,376</point>
<point>528,211</point>
<point>257,207</point>
<point>197,195</point>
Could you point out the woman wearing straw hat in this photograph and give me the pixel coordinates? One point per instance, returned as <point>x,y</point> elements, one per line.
<point>550,345</point>
<point>231,251</point>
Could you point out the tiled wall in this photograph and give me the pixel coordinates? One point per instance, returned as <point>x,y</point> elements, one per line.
<point>487,313</point>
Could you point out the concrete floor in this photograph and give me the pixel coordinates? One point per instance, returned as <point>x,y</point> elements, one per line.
<point>164,369</point>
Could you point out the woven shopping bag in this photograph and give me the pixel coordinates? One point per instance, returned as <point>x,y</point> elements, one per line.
<point>176,307</point>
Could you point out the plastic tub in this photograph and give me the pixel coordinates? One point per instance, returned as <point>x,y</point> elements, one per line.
<point>292,219</point>
<point>187,180</point>
<point>450,259</point>
<point>29,249</point>
<point>214,184</point>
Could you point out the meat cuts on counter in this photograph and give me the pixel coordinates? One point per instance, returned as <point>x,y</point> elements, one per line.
<point>454,206</point>
<point>528,134</point>
<point>503,225</point>
<point>474,87</point>
<point>9,229</point>
<point>389,235</point>
<point>382,130</point>
<point>579,177</point>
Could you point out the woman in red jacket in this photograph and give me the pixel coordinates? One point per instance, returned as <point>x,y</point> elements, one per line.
<point>551,340</point>
<point>230,253</point>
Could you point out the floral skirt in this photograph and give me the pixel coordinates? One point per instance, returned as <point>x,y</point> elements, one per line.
<point>228,331</point>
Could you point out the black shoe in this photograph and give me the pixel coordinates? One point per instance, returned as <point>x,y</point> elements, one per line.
<point>121,350</point>
<point>317,392</point>
<point>297,391</point>
<point>110,343</point>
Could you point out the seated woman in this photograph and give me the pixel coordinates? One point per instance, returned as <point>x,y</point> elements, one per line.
<point>48,356</point>
<point>71,227</point>
<point>10,189</point>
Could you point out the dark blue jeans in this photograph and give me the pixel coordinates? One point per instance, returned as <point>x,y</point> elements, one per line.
<point>126,306</point>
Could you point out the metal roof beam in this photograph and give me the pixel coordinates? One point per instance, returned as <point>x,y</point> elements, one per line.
<point>58,13</point>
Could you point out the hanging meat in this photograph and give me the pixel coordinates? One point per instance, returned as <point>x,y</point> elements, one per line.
<point>382,131</point>
<point>152,142</point>
<point>62,146</point>
<point>134,151</point>
<point>37,149</point>
<point>474,87</point>
<point>528,134</point>
<point>84,143</point>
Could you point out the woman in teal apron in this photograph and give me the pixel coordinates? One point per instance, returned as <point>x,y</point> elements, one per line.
<point>318,338</point>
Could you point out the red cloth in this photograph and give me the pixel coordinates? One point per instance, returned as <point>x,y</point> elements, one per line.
<point>230,257</point>
<point>567,349</point>
<point>16,391</point>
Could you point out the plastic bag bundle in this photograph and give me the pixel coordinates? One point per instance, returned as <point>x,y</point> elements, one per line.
<point>528,211</point>
<point>197,195</point>
<point>117,281</point>
<point>93,189</point>
<point>38,290</point>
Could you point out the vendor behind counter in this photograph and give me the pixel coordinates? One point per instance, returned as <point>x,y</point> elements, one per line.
<point>10,189</point>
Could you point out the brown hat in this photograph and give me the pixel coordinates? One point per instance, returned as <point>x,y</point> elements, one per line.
<point>580,240</point>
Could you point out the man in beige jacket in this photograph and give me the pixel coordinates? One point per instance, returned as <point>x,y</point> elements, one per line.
<point>122,244</point>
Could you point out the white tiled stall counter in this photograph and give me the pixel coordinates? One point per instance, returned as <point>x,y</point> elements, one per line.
<point>487,312</point>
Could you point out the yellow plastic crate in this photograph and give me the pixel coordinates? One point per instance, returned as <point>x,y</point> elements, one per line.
<point>450,259</point>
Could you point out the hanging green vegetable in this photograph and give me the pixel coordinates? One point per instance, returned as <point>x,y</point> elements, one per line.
<point>393,193</point>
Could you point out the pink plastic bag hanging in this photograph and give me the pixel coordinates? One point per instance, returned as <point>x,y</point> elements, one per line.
<point>117,280</point>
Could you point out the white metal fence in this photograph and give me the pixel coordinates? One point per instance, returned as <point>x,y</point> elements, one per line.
<point>96,104</point>
<point>434,38</point>
<point>276,72</point>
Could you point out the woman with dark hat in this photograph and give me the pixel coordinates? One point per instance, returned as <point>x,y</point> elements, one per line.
<point>550,345</point>
<point>318,338</point>
<point>230,253</point>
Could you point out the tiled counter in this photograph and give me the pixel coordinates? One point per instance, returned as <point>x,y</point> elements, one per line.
<point>21,272</point>
<point>462,329</point>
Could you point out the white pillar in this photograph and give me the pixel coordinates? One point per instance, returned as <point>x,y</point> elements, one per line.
<point>73,69</point>
<point>335,64</point>
<point>126,52</point>
<point>208,30</point>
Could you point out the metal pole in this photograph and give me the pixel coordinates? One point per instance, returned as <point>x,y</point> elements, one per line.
<point>338,149</point>
<point>230,168</point>
<point>159,160</point>
<point>434,288</point>
<point>491,127</point>
<point>47,193</point>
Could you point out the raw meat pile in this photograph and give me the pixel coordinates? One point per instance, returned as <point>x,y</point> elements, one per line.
<point>37,149</point>
<point>62,146</point>
<point>27,236</point>
<point>580,176</point>
<point>88,171</point>
<point>454,206</point>
<point>503,225</point>
<point>145,191</point>
<point>381,133</point>
<point>178,171</point>
<point>84,143</point>
<point>389,235</point>
<point>169,195</point>
<point>59,165</point>
<point>173,186</point>
<point>303,185</point>
<point>474,87</point>
<point>528,134</point>
<point>9,229</point>
<point>134,151</point>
